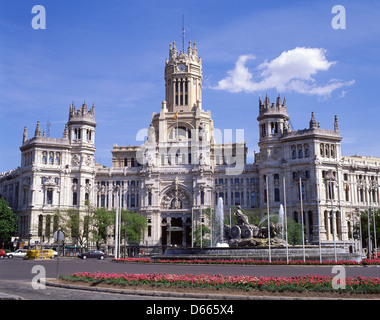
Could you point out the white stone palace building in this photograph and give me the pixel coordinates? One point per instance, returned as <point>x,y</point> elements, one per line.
<point>180,169</point>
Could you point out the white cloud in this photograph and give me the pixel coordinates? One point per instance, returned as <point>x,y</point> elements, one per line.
<point>293,70</point>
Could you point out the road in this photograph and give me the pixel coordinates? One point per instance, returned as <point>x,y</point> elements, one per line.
<point>17,275</point>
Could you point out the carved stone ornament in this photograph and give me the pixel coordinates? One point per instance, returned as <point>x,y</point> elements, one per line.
<point>75,161</point>
<point>88,160</point>
<point>175,199</point>
<point>275,154</point>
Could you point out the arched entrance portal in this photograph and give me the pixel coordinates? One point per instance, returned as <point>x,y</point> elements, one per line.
<point>176,216</point>
<point>176,228</point>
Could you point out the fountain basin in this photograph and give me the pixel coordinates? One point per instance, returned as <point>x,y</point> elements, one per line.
<point>261,253</point>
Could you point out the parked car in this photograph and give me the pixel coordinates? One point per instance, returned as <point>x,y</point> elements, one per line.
<point>2,254</point>
<point>19,253</point>
<point>92,254</point>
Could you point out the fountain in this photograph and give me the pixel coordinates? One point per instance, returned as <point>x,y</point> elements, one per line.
<point>281,218</point>
<point>249,241</point>
<point>218,226</point>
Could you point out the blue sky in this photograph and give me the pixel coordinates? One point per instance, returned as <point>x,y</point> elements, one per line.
<point>112,53</point>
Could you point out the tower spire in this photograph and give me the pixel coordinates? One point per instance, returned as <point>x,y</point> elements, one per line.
<point>313,123</point>
<point>37,133</point>
<point>25,135</point>
<point>336,125</point>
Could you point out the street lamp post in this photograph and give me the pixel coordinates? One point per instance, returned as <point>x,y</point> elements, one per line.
<point>329,177</point>
<point>374,220</point>
<point>267,193</point>
<point>117,222</point>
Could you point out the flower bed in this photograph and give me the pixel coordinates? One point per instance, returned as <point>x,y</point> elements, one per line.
<point>296,284</point>
<point>250,261</point>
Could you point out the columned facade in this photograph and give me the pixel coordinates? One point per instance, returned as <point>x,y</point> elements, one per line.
<point>180,171</point>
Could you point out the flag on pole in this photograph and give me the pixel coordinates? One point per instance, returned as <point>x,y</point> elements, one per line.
<point>175,116</point>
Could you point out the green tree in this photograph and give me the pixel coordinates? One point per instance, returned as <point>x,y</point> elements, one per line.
<point>203,232</point>
<point>8,221</point>
<point>364,226</point>
<point>294,232</point>
<point>70,223</point>
<point>102,220</point>
<point>133,226</point>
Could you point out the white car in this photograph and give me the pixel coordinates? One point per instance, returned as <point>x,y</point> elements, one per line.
<point>19,253</point>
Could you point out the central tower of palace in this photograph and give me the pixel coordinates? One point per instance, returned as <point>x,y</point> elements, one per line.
<point>183,79</point>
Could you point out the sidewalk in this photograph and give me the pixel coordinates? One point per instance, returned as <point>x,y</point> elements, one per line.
<point>4,296</point>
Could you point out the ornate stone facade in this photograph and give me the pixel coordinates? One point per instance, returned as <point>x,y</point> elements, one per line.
<point>180,170</point>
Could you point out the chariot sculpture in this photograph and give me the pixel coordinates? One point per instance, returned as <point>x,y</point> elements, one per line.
<point>245,234</point>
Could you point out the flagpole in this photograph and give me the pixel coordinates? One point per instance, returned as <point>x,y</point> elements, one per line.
<point>116,226</point>
<point>177,125</point>
<point>270,256</point>
<point>286,222</point>
<point>303,236</point>
<point>319,224</point>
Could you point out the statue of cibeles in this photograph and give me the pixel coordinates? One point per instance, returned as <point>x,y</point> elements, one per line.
<point>245,234</point>
<point>242,219</point>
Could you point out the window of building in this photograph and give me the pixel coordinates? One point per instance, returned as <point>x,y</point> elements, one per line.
<point>49,196</point>
<point>276,194</point>
<point>237,198</point>
<point>133,200</point>
<point>40,225</point>
<point>58,158</point>
<point>51,157</point>
<point>150,198</point>
<point>75,198</point>
<point>202,197</point>
<point>253,199</point>
<point>44,157</point>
